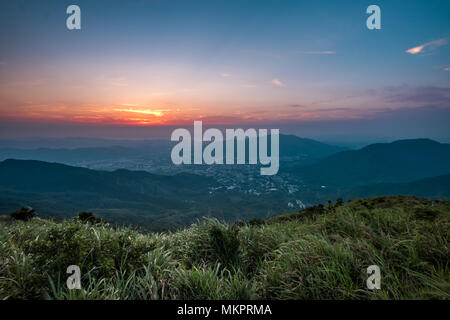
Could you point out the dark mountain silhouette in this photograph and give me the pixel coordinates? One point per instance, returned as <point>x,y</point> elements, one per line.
<point>137,197</point>
<point>38,176</point>
<point>291,147</point>
<point>396,162</point>
<point>434,188</point>
<point>80,155</point>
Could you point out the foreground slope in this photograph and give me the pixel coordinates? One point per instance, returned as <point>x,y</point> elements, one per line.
<point>319,253</point>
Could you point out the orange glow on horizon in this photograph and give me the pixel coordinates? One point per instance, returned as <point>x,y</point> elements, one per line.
<point>134,115</point>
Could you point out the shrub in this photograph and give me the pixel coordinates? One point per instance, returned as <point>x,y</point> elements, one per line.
<point>24,214</point>
<point>256,222</point>
<point>89,217</point>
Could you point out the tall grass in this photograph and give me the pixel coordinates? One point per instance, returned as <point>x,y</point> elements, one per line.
<point>321,253</point>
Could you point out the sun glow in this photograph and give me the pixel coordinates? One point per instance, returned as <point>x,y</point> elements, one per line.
<point>157,113</point>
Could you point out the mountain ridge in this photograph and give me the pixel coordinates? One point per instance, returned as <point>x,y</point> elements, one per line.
<point>395,162</point>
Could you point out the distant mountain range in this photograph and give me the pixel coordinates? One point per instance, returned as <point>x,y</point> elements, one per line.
<point>396,162</point>
<point>291,148</point>
<point>83,155</point>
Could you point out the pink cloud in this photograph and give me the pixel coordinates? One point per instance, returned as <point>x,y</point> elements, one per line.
<point>427,46</point>
<point>278,83</point>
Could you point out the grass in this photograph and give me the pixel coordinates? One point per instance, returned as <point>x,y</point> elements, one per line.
<point>319,253</point>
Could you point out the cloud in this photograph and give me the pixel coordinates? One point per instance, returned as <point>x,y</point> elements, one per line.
<point>419,96</point>
<point>442,67</point>
<point>297,106</point>
<point>327,52</point>
<point>427,47</point>
<point>278,83</point>
<point>226,75</point>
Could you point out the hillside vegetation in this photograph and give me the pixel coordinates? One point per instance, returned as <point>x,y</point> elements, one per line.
<point>319,253</point>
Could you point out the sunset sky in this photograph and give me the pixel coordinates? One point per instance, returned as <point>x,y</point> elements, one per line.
<point>287,64</point>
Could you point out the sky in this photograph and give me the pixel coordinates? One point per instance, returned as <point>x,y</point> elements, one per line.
<point>310,68</point>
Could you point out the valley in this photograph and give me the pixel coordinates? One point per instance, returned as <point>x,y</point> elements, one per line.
<point>140,185</point>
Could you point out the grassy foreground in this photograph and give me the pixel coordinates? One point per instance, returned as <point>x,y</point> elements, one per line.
<point>320,253</point>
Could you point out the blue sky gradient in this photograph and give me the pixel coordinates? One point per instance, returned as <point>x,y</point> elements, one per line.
<point>290,64</point>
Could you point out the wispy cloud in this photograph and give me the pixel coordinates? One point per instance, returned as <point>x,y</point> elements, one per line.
<point>427,47</point>
<point>278,83</point>
<point>444,67</point>
<point>327,52</point>
<point>417,96</point>
<point>226,75</point>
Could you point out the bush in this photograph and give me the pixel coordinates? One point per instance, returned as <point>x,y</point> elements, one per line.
<point>256,222</point>
<point>24,214</point>
<point>89,217</point>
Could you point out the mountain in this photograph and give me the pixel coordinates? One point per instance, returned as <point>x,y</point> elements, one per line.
<point>60,190</point>
<point>137,197</point>
<point>38,176</point>
<point>434,188</point>
<point>77,156</point>
<point>128,153</point>
<point>396,162</point>
<point>69,156</point>
<point>292,146</point>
